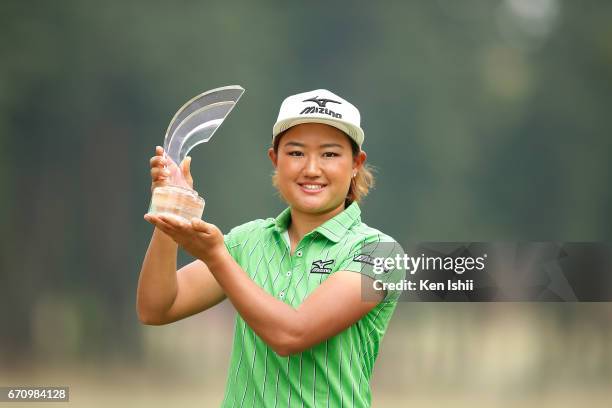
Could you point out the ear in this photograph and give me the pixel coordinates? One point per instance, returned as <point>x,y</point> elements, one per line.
<point>273,157</point>
<point>359,160</point>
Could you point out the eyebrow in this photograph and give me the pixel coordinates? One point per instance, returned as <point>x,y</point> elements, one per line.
<point>323,145</point>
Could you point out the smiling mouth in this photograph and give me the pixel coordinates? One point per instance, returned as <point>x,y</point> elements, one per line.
<point>312,187</point>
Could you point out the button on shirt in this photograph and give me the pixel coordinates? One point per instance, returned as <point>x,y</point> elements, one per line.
<point>333,373</point>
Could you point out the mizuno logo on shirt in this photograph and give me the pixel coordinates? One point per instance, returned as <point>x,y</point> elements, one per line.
<point>367,259</point>
<point>363,258</point>
<point>321,266</point>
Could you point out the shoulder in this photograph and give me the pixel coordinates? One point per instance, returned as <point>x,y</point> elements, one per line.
<point>252,231</point>
<point>364,242</point>
<point>250,227</point>
<point>362,234</point>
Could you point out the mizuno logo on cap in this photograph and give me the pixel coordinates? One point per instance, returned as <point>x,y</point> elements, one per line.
<point>321,102</point>
<point>321,108</point>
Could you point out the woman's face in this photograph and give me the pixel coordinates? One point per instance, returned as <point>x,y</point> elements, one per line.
<point>314,165</point>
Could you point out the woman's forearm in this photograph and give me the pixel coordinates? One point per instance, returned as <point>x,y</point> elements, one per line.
<point>157,284</point>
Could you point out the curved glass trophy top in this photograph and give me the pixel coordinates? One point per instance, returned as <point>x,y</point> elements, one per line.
<point>198,119</point>
<point>196,122</point>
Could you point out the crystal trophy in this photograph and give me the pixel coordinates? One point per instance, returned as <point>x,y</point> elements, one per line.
<point>194,123</point>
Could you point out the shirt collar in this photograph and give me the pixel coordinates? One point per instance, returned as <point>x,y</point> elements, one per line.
<point>333,229</point>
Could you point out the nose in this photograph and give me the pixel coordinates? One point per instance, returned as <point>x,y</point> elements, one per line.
<point>311,167</point>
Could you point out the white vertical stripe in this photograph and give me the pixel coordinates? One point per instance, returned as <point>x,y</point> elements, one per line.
<point>250,375</point>
<point>381,306</point>
<point>327,370</point>
<point>242,336</point>
<point>351,371</point>
<point>301,397</point>
<point>360,376</point>
<point>240,358</point>
<point>276,395</point>
<point>279,270</point>
<point>326,341</point>
<point>288,382</point>
<point>263,392</point>
<point>314,379</point>
<point>262,257</point>
<point>274,255</point>
<point>340,371</point>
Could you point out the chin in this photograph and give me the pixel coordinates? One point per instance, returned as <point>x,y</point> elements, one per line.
<point>310,206</point>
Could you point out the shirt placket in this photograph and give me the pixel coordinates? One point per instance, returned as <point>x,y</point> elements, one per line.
<point>291,275</point>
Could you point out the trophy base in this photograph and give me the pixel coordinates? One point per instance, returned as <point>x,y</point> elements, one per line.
<point>176,201</point>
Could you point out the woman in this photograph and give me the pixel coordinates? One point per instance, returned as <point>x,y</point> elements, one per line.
<point>306,334</point>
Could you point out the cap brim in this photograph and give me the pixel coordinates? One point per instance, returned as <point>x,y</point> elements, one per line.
<point>351,130</point>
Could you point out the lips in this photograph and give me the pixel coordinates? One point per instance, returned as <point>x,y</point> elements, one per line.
<point>312,188</point>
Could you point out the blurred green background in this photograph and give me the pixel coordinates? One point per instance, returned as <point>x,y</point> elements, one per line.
<point>486,120</point>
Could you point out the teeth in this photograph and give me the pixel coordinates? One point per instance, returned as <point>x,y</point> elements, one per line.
<point>312,186</point>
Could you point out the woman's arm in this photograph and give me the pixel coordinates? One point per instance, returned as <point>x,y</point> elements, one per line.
<point>332,307</point>
<point>165,295</point>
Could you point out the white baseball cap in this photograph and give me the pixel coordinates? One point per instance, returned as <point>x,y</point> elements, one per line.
<point>319,106</point>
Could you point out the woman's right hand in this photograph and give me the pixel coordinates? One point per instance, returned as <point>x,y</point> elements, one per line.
<point>162,167</point>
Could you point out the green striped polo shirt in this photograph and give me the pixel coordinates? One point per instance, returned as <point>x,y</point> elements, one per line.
<point>334,373</point>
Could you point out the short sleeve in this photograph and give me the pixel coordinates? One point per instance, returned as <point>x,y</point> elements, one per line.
<point>239,235</point>
<point>377,258</point>
<point>229,241</point>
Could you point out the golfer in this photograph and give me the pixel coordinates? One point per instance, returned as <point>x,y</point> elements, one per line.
<point>309,322</point>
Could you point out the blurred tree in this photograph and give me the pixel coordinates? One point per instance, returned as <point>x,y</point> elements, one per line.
<point>486,120</point>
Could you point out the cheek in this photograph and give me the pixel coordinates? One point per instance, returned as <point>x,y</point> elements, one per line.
<point>342,171</point>
<point>284,168</point>
<point>285,173</point>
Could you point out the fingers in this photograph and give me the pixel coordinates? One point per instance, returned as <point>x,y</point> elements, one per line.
<point>164,169</point>
<point>159,177</point>
<point>161,160</point>
<point>159,173</point>
<point>172,225</point>
<point>158,223</point>
<point>200,226</point>
<point>186,165</point>
<point>179,224</point>
<point>158,160</point>
<point>174,221</point>
<point>159,169</point>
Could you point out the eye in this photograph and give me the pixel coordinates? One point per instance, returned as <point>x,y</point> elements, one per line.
<point>295,153</point>
<point>330,154</point>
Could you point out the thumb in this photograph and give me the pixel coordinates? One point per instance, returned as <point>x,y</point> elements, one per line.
<point>186,169</point>
<point>186,165</point>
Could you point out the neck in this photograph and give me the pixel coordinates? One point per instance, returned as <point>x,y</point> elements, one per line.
<point>302,223</point>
